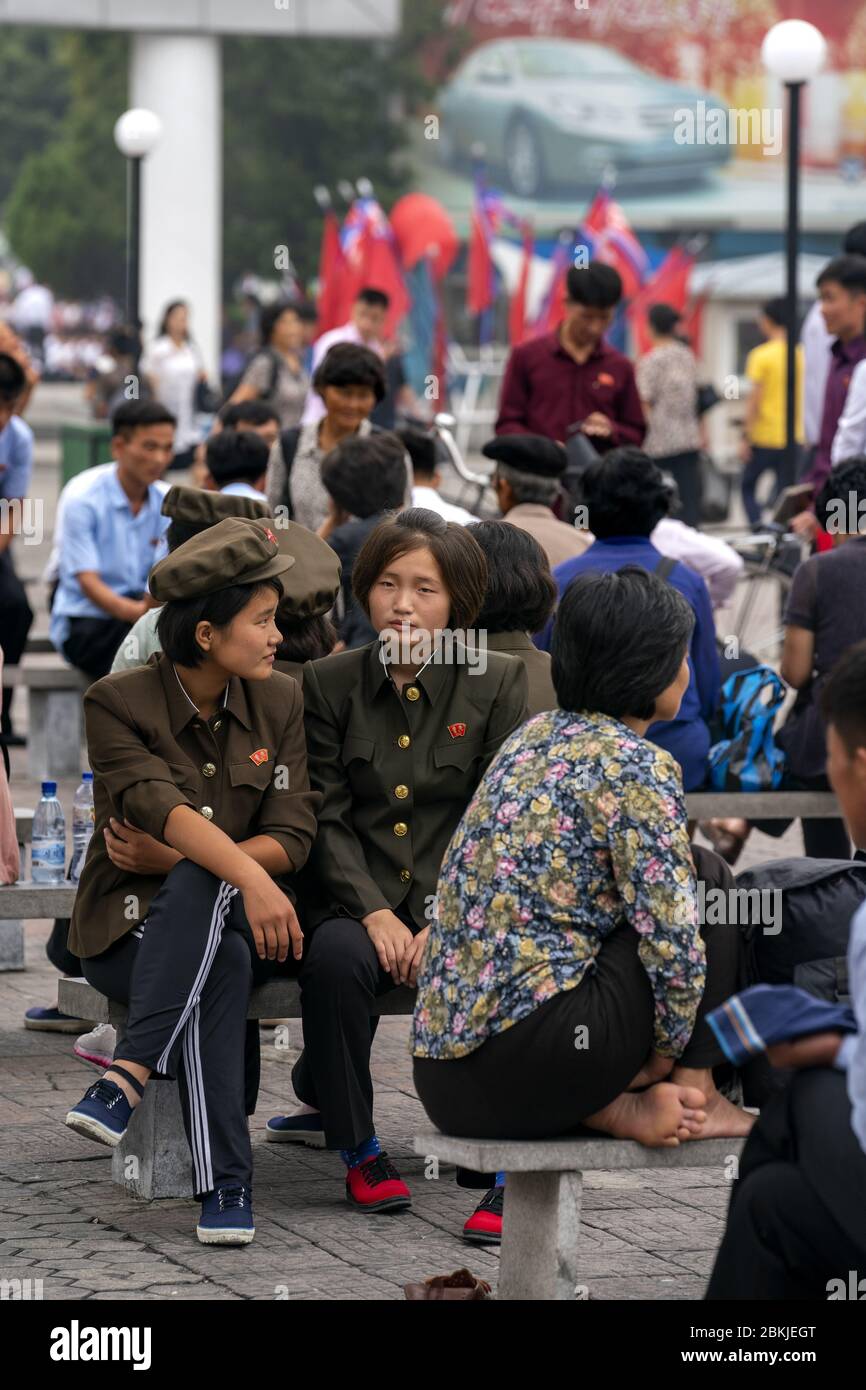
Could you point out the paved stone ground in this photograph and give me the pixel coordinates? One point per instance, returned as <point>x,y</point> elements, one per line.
<point>646,1235</point>
<point>62,1220</point>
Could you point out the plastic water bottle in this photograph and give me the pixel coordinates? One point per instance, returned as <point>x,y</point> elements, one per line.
<point>48,850</point>
<point>82,824</point>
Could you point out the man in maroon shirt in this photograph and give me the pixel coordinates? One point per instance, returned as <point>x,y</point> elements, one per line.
<point>571,376</point>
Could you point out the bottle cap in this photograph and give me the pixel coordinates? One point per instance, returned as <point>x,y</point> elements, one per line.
<point>49,788</point>
<point>87,776</point>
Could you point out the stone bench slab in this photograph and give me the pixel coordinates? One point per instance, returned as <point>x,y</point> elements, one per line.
<point>543,1188</point>
<point>274,999</point>
<point>762,805</point>
<point>28,900</point>
<point>570,1155</point>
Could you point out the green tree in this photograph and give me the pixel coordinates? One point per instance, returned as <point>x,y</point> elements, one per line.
<point>66,214</point>
<point>34,96</point>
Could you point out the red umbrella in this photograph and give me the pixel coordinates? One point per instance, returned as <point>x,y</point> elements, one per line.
<point>422,226</point>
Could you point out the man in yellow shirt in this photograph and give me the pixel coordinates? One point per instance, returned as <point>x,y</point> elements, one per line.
<point>764,439</point>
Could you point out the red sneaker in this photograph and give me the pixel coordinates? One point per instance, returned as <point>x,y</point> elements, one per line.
<point>375,1185</point>
<point>484,1226</point>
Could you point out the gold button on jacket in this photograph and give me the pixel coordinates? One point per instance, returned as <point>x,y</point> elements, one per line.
<point>150,751</point>
<point>209,769</point>
<point>413,693</point>
<point>366,744</point>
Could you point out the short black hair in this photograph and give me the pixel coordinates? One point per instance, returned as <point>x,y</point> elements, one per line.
<point>854,243</point>
<point>521,591</point>
<point>135,415</point>
<point>252,413</point>
<point>12,378</point>
<point>847,478</point>
<point>366,474</point>
<point>236,456</point>
<point>847,271</point>
<point>377,299</point>
<point>351,364</point>
<point>179,532</point>
<point>179,618</point>
<point>305,639</point>
<point>270,316</point>
<point>597,285</point>
<point>776,310</point>
<point>306,311</point>
<point>843,699</point>
<point>421,448</point>
<point>625,494</point>
<point>663,319</point>
<point>618,641</point>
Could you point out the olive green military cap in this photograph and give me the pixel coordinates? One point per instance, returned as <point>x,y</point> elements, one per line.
<point>311,587</point>
<point>235,551</point>
<point>195,506</point>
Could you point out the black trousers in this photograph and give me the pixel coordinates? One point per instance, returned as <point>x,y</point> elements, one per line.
<point>543,1076</point>
<point>340,977</point>
<point>16,618</point>
<point>797,1217</point>
<point>764,460</point>
<point>187,981</point>
<point>92,644</point>
<point>686,471</point>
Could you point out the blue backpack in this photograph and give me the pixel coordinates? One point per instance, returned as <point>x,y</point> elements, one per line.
<point>746,759</point>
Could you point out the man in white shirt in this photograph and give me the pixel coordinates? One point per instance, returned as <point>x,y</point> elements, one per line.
<point>366,326</point>
<point>421,449</point>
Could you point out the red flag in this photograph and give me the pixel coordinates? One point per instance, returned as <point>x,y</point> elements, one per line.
<point>380,270</point>
<point>614,242</point>
<point>331,271</point>
<point>517,328</point>
<point>480,282</point>
<point>669,284</point>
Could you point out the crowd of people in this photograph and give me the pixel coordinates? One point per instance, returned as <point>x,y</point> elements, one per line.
<point>342,729</point>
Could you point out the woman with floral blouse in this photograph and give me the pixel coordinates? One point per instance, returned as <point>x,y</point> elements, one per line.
<point>566,981</point>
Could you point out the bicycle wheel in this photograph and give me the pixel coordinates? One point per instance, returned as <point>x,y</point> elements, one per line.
<point>754,615</point>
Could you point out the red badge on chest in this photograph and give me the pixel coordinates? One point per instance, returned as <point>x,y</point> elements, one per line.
<point>605,379</point>
<point>260,756</point>
<point>457,730</point>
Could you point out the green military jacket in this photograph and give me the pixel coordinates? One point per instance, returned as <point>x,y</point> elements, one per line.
<point>542,695</point>
<point>396,772</point>
<point>245,769</point>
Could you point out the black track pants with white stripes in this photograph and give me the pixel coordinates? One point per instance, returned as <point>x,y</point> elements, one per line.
<point>188,980</point>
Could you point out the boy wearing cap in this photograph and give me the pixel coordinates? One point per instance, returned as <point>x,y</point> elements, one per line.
<point>201,756</point>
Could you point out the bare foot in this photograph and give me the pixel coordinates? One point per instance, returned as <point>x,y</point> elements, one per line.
<point>724,1119</point>
<point>659,1117</point>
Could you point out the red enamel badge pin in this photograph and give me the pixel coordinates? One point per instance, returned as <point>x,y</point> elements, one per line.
<point>260,756</point>
<point>270,535</point>
<point>457,730</point>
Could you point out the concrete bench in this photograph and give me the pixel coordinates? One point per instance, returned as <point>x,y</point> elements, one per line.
<point>762,805</point>
<point>55,727</point>
<point>153,1160</point>
<point>23,826</point>
<point>541,1216</point>
<point>39,646</point>
<point>23,902</point>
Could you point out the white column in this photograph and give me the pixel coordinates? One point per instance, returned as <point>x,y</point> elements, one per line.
<point>180,79</point>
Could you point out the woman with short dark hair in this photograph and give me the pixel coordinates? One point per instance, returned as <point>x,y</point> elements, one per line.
<point>667,379</point>
<point>276,374</point>
<point>520,598</point>
<point>399,732</point>
<point>565,981</point>
<point>351,381</point>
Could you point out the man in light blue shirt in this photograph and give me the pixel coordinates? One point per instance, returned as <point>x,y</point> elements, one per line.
<point>113,534</point>
<point>16,470</point>
<point>797,1220</point>
<point>237,461</point>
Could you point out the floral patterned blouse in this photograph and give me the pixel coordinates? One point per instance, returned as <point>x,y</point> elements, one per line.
<point>577,827</point>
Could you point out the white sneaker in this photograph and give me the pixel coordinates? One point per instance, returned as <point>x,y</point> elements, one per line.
<point>97,1046</point>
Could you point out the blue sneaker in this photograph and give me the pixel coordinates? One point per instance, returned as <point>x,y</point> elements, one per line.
<point>227,1216</point>
<point>296,1129</point>
<point>51,1020</point>
<point>103,1114</point>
